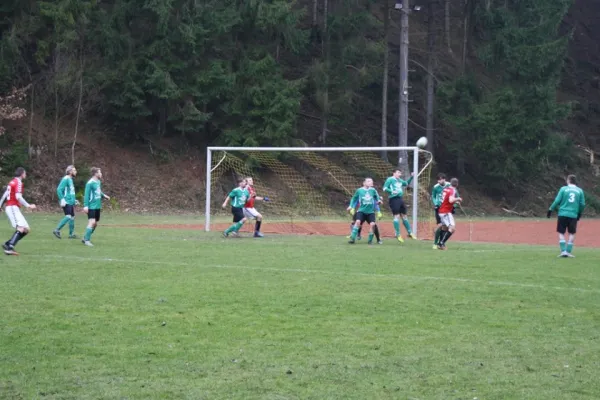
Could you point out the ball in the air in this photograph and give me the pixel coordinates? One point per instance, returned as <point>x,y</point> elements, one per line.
<point>422,142</point>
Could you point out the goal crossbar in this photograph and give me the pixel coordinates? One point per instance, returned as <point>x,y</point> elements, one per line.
<point>209,151</point>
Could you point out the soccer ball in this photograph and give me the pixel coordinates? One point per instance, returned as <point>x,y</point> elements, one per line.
<point>422,142</point>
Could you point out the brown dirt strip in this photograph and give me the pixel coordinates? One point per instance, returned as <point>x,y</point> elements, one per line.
<point>510,232</point>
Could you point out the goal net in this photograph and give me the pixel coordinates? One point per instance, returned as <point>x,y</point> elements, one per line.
<point>310,188</point>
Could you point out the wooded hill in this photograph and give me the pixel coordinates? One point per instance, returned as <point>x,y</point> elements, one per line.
<point>513,83</point>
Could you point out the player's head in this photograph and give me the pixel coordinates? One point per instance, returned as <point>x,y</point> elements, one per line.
<point>249,181</point>
<point>96,173</point>
<point>71,170</point>
<point>454,182</point>
<point>242,182</point>
<point>20,173</point>
<point>441,178</point>
<point>397,173</point>
<point>572,180</point>
<point>368,182</point>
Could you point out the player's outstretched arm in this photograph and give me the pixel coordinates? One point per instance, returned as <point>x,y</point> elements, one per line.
<point>406,183</point>
<point>557,200</point>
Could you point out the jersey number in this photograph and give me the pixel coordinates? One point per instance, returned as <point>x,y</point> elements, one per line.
<point>572,198</point>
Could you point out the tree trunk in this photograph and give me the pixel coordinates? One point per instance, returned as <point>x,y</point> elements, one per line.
<point>314,13</point>
<point>56,105</point>
<point>447,25</point>
<point>326,51</point>
<point>430,68</point>
<point>384,96</point>
<point>79,100</point>
<point>465,36</point>
<point>403,92</point>
<point>30,127</point>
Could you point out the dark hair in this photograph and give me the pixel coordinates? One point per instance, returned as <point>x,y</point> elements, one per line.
<point>441,175</point>
<point>94,171</point>
<point>572,179</point>
<point>240,180</point>
<point>19,172</point>
<point>454,182</point>
<point>368,177</point>
<point>397,170</point>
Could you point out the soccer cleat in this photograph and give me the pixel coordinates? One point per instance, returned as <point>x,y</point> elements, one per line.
<point>563,254</point>
<point>400,239</point>
<point>348,237</point>
<point>379,242</point>
<point>258,235</point>
<point>435,246</point>
<point>351,241</point>
<point>57,233</point>
<point>87,243</point>
<point>72,236</point>
<point>370,242</point>
<point>412,236</point>
<point>225,235</point>
<point>358,237</point>
<point>569,255</point>
<point>442,247</point>
<point>10,252</point>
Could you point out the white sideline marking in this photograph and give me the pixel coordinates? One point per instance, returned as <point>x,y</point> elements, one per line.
<point>326,272</point>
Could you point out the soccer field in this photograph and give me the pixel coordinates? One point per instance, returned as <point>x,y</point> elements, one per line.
<point>182,314</point>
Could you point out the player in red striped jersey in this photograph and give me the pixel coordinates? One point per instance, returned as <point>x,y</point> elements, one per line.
<point>249,210</point>
<point>449,199</point>
<point>14,201</point>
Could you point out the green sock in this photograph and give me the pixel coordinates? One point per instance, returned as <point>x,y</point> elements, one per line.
<point>94,228</point>
<point>354,233</point>
<point>563,246</point>
<point>406,225</point>
<point>63,222</point>
<point>71,226</point>
<point>397,227</point>
<point>569,247</point>
<point>370,237</point>
<point>438,233</point>
<point>88,234</point>
<point>231,228</point>
<point>238,225</point>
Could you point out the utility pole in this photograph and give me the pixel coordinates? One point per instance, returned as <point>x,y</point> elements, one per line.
<point>403,92</point>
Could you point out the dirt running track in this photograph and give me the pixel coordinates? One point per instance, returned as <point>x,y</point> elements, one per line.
<point>513,232</point>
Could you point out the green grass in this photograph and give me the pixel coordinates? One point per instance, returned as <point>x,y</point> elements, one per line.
<point>151,314</point>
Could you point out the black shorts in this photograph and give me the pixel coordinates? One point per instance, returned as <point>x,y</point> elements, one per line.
<point>565,224</point>
<point>94,214</point>
<point>238,214</point>
<point>69,210</point>
<point>397,205</point>
<point>438,220</point>
<point>362,217</point>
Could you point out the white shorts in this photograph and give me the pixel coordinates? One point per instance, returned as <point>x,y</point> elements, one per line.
<point>250,213</point>
<point>15,217</point>
<point>447,219</point>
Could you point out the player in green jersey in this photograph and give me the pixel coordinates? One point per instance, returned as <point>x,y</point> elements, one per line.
<point>66,197</point>
<point>394,186</point>
<point>436,199</point>
<point>367,197</point>
<point>92,204</point>
<point>238,197</point>
<point>570,203</point>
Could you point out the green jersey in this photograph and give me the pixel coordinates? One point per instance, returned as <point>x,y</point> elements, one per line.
<point>570,202</point>
<point>92,198</point>
<point>367,199</point>
<point>436,193</point>
<point>395,186</point>
<point>238,197</point>
<point>66,190</point>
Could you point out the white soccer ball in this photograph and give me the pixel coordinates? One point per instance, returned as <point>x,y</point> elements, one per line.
<point>422,142</point>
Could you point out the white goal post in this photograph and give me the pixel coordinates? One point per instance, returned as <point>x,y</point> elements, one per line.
<point>209,168</point>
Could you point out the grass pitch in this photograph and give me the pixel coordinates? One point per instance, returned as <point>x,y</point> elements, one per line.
<point>157,314</point>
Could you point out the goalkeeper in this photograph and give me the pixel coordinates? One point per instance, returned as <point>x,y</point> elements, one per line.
<point>354,217</point>
<point>66,197</point>
<point>367,197</point>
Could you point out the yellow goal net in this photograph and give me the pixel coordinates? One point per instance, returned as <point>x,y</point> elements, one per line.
<point>309,189</point>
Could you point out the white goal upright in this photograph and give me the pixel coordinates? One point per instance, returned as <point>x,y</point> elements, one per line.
<point>310,187</point>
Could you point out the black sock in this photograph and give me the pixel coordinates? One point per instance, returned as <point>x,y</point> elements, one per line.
<point>15,239</point>
<point>257,226</point>
<point>376,231</point>
<point>445,237</point>
<point>359,230</point>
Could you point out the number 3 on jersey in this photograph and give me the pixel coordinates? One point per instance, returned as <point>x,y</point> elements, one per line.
<point>572,198</point>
